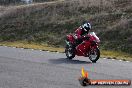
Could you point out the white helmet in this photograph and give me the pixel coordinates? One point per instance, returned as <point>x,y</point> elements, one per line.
<point>86,26</point>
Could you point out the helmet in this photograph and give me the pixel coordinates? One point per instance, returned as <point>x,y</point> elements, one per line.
<point>86,26</point>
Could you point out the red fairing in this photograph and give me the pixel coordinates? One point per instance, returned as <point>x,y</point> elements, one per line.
<point>92,38</point>
<point>71,38</point>
<point>78,32</point>
<point>83,48</point>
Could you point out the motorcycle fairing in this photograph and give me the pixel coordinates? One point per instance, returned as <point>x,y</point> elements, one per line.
<point>83,48</point>
<point>71,38</point>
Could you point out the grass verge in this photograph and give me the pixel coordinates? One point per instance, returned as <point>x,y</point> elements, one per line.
<point>26,45</point>
<point>116,55</point>
<point>45,47</point>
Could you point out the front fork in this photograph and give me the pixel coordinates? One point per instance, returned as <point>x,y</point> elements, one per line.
<point>68,43</point>
<point>72,45</point>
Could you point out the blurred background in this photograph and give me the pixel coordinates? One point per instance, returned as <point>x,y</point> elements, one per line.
<point>49,21</point>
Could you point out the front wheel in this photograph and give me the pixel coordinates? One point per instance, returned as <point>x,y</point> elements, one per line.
<point>94,55</point>
<point>69,51</point>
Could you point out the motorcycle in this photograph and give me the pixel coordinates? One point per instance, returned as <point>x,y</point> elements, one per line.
<point>88,48</point>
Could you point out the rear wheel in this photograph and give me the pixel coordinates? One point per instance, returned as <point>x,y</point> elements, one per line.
<point>94,55</point>
<point>70,53</point>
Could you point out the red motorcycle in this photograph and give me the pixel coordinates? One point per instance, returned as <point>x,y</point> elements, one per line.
<point>88,48</point>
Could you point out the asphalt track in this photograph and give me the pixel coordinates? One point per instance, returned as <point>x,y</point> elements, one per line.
<point>27,68</point>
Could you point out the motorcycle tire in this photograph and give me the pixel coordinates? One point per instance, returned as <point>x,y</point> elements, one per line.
<point>69,51</point>
<point>97,57</point>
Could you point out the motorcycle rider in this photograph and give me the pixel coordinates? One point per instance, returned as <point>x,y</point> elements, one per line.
<point>81,32</point>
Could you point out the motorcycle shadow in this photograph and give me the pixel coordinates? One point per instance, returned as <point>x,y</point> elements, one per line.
<point>67,61</point>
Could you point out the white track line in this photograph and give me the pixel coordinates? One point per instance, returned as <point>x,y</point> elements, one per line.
<point>59,52</point>
<point>112,59</point>
<point>127,61</point>
<point>104,58</point>
<point>120,60</point>
<point>48,51</point>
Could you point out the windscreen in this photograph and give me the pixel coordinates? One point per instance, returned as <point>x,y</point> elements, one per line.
<point>93,34</point>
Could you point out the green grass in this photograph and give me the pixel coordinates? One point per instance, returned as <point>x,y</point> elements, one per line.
<point>104,53</point>
<point>24,44</point>
<point>116,55</point>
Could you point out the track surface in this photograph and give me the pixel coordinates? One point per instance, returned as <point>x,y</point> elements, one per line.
<point>26,68</point>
